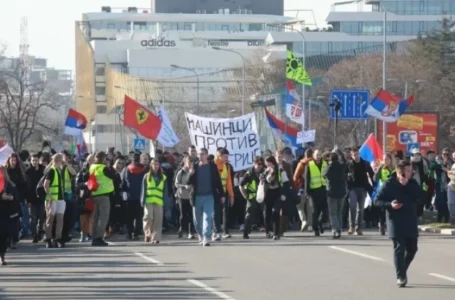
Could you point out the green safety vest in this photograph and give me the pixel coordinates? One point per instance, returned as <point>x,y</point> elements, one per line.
<point>316,180</point>
<point>224,176</point>
<point>66,180</point>
<point>252,189</point>
<point>155,193</point>
<point>54,187</point>
<point>385,174</point>
<point>105,184</point>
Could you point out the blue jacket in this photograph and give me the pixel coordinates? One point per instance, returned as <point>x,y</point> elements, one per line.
<point>132,177</point>
<point>401,223</point>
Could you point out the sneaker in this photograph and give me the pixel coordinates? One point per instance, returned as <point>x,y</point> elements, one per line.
<point>276,237</point>
<point>321,228</point>
<point>83,239</point>
<point>316,233</point>
<point>304,226</point>
<point>61,243</point>
<point>147,239</point>
<point>216,237</point>
<point>191,236</point>
<point>180,233</point>
<point>358,231</point>
<point>205,243</point>
<point>338,234</point>
<point>226,236</point>
<point>99,242</point>
<point>382,230</point>
<point>246,237</point>
<point>49,244</point>
<point>401,282</point>
<point>351,230</point>
<point>55,243</point>
<point>242,227</point>
<point>35,239</point>
<point>3,262</point>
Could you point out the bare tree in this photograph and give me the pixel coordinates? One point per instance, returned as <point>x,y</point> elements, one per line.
<point>26,108</point>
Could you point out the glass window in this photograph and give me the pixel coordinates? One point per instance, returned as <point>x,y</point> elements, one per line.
<point>224,28</point>
<point>101,109</point>
<point>100,90</point>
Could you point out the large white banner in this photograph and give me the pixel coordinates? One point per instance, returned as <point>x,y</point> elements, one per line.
<point>238,135</point>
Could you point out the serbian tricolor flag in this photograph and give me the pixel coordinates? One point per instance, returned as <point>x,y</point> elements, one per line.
<point>371,151</point>
<point>388,107</point>
<point>286,134</point>
<point>293,102</point>
<point>75,123</point>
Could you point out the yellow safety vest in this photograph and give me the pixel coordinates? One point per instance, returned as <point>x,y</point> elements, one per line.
<point>252,189</point>
<point>66,180</point>
<point>155,193</point>
<point>316,180</point>
<point>385,174</point>
<point>224,176</point>
<point>54,188</point>
<point>105,184</point>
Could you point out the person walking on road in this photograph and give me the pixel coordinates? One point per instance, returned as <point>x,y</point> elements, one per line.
<point>105,179</point>
<point>6,208</point>
<point>183,193</point>
<point>335,175</point>
<point>384,172</point>
<point>304,208</point>
<point>249,187</point>
<point>207,188</point>
<point>55,204</point>
<point>358,183</point>
<point>37,211</point>
<point>401,196</point>
<point>315,187</point>
<point>155,193</point>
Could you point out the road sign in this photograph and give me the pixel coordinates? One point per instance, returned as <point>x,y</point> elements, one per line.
<point>139,144</point>
<point>353,104</point>
<point>411,146</point>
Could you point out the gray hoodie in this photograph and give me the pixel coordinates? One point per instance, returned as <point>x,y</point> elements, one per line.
<point>181,183</point>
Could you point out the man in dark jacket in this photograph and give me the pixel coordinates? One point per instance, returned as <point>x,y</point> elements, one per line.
<point>38,214</point>
<point>359,185</point>
<point>400,197</point>
<point>132,178</point>
<point>335,174</point>
<point>207,186</point>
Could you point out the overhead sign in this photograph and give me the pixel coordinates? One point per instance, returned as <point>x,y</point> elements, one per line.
<point>353,104</point>
<point>238,135</point>
<point>139,144</point>
<point>306,136</point>
<point>158,43</point>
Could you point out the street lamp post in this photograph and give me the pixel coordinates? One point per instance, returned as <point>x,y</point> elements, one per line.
<point>243,74</point>
<point>197,83</point>
<point>384,75</point>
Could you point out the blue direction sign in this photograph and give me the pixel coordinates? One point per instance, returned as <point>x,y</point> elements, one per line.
<point>353,104</point>
<point>139,144</point>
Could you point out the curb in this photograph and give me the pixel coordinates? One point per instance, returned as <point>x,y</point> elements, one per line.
<point>437,230</point>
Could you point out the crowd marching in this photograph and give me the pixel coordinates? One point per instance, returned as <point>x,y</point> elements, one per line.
<point>49,195</point>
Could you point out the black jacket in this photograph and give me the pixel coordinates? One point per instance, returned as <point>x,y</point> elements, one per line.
<point>34,176</point>
<point>358,173</point>
<point>217,185</point>
<point>335,174</point>
<point>401,223</point>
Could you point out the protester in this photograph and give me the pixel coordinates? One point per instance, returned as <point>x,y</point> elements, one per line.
<point>359,173</point>
<point>304,207</point>
<point>400,196</point>
<point>7,195</point>
<point>384,172</point>
<point>335,175</point>
<point>132,178</point>
<point>68,174</point>
<point>37,210</point>
<point>86,206</point>
<point>451,193</point>
<point>105,181</point>
<point>184,191</point>
<point>55,204</point>
<point>155,191</point>
<point>207,188</point>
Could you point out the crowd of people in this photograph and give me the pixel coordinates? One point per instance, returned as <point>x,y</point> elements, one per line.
<point>49,195</point>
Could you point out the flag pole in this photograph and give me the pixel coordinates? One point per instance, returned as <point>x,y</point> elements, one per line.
<point>384,72</point>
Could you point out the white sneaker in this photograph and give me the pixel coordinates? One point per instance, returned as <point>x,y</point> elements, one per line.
<point>226,236</point>
<point>242,227</point>
<point>200,240</point>
<point>205,243</point>
<point>216,237</point>
<point>304,226</point>
<point>190,236</point>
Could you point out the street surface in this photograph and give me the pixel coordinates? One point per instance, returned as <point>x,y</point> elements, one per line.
<point>297,267</point>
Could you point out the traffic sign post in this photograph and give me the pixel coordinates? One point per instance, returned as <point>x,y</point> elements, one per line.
<point>411,146</point>
<point>139,144</point>
<point>353,104</point>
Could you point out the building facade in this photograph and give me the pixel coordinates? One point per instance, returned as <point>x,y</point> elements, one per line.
<point>257,7</point>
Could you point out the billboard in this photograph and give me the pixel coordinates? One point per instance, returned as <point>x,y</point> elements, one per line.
<point>412,130</point>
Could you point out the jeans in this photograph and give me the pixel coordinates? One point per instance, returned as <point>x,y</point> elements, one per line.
<point>405,250</point>
<point>356,206</point>
<point>203,215</point>
<point>134,221</point>
<point>320,207</point>
<point>25,219</point>
<point>69,217</point>
<point>38,213</point>
<point>335,211</point>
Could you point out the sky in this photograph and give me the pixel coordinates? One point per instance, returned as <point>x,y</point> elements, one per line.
<point>51,23</point>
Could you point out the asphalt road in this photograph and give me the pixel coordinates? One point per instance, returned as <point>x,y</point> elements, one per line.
<point>298,266</point>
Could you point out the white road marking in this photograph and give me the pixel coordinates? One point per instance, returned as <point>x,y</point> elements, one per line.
<point>356,253</point>
<point>149,259</point>
<point>442,277</point>
<point>210,289</point>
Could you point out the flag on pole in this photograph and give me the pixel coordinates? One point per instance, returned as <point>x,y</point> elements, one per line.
<point>81,146</point>
<point>295,70</point>
<point>371,151</point>
<point>75,123</point>
<point>167,136</point>
<point>388,107</point>
<point>140,118</point>
<point>293,102</point>
<point>286,134</point>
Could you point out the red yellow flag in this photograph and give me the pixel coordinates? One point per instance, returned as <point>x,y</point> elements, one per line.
<point>140,118</point>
